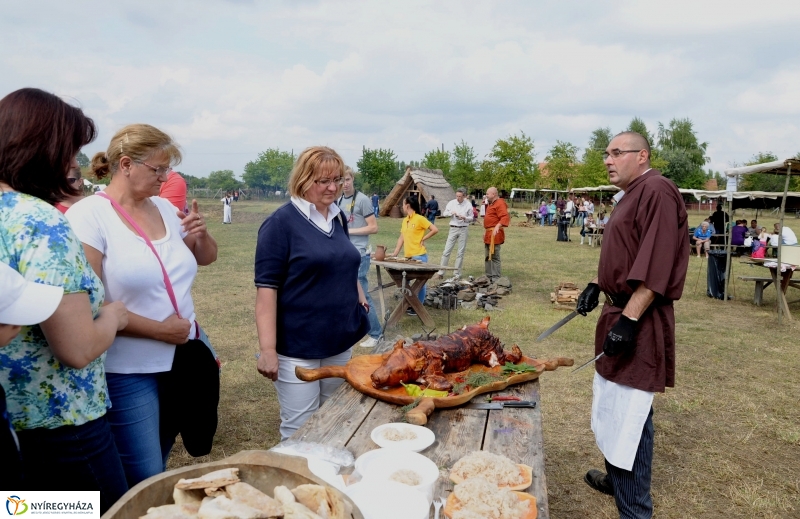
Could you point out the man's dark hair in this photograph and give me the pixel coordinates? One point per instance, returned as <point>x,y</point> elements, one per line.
<point>39,136</point>
<point>639,140</point>
<point>719,207</point>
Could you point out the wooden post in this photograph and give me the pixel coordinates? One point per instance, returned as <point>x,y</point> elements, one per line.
<point>781,295</point>
<point>728,250</point>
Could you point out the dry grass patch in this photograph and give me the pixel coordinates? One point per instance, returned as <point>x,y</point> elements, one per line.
<point>727,436</point>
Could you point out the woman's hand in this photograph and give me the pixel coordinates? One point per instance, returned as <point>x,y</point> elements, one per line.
<point>193,223</point>
<point>117,311</point>
<point>268,364</point>
<point>175,330</point>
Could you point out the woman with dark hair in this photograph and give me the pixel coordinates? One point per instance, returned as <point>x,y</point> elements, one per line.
<point>53,372</point>
<point>310,309</point>
<point>412,237</point>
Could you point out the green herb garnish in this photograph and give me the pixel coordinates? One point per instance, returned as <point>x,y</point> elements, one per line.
<point>516,369</point>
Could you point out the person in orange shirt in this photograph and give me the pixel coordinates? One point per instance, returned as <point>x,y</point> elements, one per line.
<point>496,218</point>
<point>174,190</point>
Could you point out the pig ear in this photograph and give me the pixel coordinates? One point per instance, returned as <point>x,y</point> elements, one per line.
<point>399,344</point>
<point>485,322</point>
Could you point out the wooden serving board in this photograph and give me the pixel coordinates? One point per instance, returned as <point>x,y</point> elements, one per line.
<point>358,370</point>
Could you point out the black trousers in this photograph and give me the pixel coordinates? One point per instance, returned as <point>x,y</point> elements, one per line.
<point>632,487</point>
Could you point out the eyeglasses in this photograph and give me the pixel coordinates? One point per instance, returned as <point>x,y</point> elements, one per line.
<point>73,180</point>
<point>158,171</point>
<point>325,182</point>
<point>616,152</point>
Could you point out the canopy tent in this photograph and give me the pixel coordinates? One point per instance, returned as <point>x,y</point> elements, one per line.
<point>749,199</point>
<point>595,189</point>
<point>778,167</point>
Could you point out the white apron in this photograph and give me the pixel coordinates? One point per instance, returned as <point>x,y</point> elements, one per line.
<point>226,210</point>
<point>618,416</point>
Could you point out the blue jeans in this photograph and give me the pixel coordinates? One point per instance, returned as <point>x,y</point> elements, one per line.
<point>73,457</point>
<point>134,419</point>
<point>375,210</point>
<point>542,220</point>
<point>374,323</point>
<point>424,259</point>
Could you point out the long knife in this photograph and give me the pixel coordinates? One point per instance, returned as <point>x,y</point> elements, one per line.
<point>587,363</point>
<point>558,325</point>
<point>501,405</point>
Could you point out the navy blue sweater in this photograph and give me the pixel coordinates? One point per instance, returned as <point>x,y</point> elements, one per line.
<point>315,274</point>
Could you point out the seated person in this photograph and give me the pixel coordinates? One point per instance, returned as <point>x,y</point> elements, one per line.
<point>589,227</point>
<point>754,230</point>
<point>702,238</point>
<point>787,235</point>
<point>738,232</point>
<point>602,220</point>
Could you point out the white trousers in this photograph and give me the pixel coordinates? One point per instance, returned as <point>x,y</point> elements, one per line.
<point>298,399</point>
<point>226,214</point>
<point>456,234</point>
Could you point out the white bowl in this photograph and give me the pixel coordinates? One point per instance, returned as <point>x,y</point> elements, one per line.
<point>424,439</point>
<point>389,461</point>
<point>388,500</point>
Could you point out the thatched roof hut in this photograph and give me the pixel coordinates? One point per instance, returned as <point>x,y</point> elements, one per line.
<point>421,181</point>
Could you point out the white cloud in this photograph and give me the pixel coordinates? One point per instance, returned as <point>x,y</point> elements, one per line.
<point>230,79</point>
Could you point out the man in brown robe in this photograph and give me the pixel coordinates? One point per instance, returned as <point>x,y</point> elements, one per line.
<point>642,271</point>
<point>496,218</point>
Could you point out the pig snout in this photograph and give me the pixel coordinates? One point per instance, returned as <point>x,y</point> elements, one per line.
<point>379,378</point>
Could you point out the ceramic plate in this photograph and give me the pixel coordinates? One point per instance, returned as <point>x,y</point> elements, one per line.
<point>424,437</point>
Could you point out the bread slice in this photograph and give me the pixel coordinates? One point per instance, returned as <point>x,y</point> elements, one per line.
<point>187,511</point>
<point>254,498</point>
<point>453,505</point>
<point>525,471</point>
<point>291,508</point>
<point>224,508</point>
<point>322,500</point>
<point>216,479</point>
<point>188,497</point>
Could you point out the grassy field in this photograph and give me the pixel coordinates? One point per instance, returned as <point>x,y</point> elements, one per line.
<point>727,436</point>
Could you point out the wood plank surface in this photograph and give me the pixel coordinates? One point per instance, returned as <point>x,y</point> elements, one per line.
<point>517,434</point>
<point>338,419</point>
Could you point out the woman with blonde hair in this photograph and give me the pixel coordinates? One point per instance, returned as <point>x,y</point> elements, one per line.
<point>53,372</point>
<point>117,229</point>
<point>310,309</point>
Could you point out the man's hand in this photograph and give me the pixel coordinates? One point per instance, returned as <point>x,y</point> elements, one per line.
<point>588,299</point>
<point>621,338</point>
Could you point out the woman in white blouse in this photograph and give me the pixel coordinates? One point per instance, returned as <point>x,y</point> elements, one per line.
<point>138,159</point>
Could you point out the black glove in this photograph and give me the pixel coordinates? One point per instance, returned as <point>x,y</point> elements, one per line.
<point>588,299</point>
<point>621,338</point>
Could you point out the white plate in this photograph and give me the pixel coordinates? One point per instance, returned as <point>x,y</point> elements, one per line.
<point>388,500</point>
<point>424,439</point>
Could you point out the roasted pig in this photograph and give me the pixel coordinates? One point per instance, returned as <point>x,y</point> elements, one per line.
<point>426,362</point>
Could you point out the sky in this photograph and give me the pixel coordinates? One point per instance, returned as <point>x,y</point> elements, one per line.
<point>230,79</point>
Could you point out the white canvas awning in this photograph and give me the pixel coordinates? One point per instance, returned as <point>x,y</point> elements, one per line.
<point>779,167</point>
<point>594,189</point>
<point>737,195</point>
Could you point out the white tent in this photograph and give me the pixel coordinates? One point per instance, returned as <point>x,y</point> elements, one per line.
<point>778,167</point>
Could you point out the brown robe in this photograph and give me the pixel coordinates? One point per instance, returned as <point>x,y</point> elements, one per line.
<point>645,241</point>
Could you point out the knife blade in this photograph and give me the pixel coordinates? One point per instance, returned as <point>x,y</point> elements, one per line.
<point>558,325</point>
<point>587,363</point>
<point>501,405</point>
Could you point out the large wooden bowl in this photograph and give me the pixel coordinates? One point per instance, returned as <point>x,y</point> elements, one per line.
<point>263,469</point>
<point>357,372</point>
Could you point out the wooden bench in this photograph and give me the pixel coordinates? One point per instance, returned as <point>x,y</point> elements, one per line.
<point>761,284</point>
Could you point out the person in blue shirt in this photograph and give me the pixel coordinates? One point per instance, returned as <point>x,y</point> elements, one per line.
<point>375,200</point>
<point>433,208</point>
<point>702,238</point>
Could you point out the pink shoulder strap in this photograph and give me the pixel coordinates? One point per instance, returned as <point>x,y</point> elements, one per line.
<point>141,233</point>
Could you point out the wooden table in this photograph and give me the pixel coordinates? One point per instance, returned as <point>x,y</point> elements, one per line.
<point>348,417</point>
<point>786,281</point>
<point>410,278</point>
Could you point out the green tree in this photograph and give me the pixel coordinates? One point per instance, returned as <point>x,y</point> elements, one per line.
<point>511,163</point>
<point>464,170</point>
<point>684,153</point>
<point>598,141</point>
<point>223,180</point>
<point>379,169</point>
<point>437,159</point>
<point>83,160</point>
<point>637,125</point>
<point>270,170</point>
<point>562,165</point>
<point>195,182</point>
<point>592,171</point>
<point>764,182</point>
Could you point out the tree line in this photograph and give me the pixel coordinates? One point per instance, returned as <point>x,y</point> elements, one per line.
<point>512,162</point>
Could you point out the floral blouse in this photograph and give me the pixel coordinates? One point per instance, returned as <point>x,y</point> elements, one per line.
<point>37,241</point>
